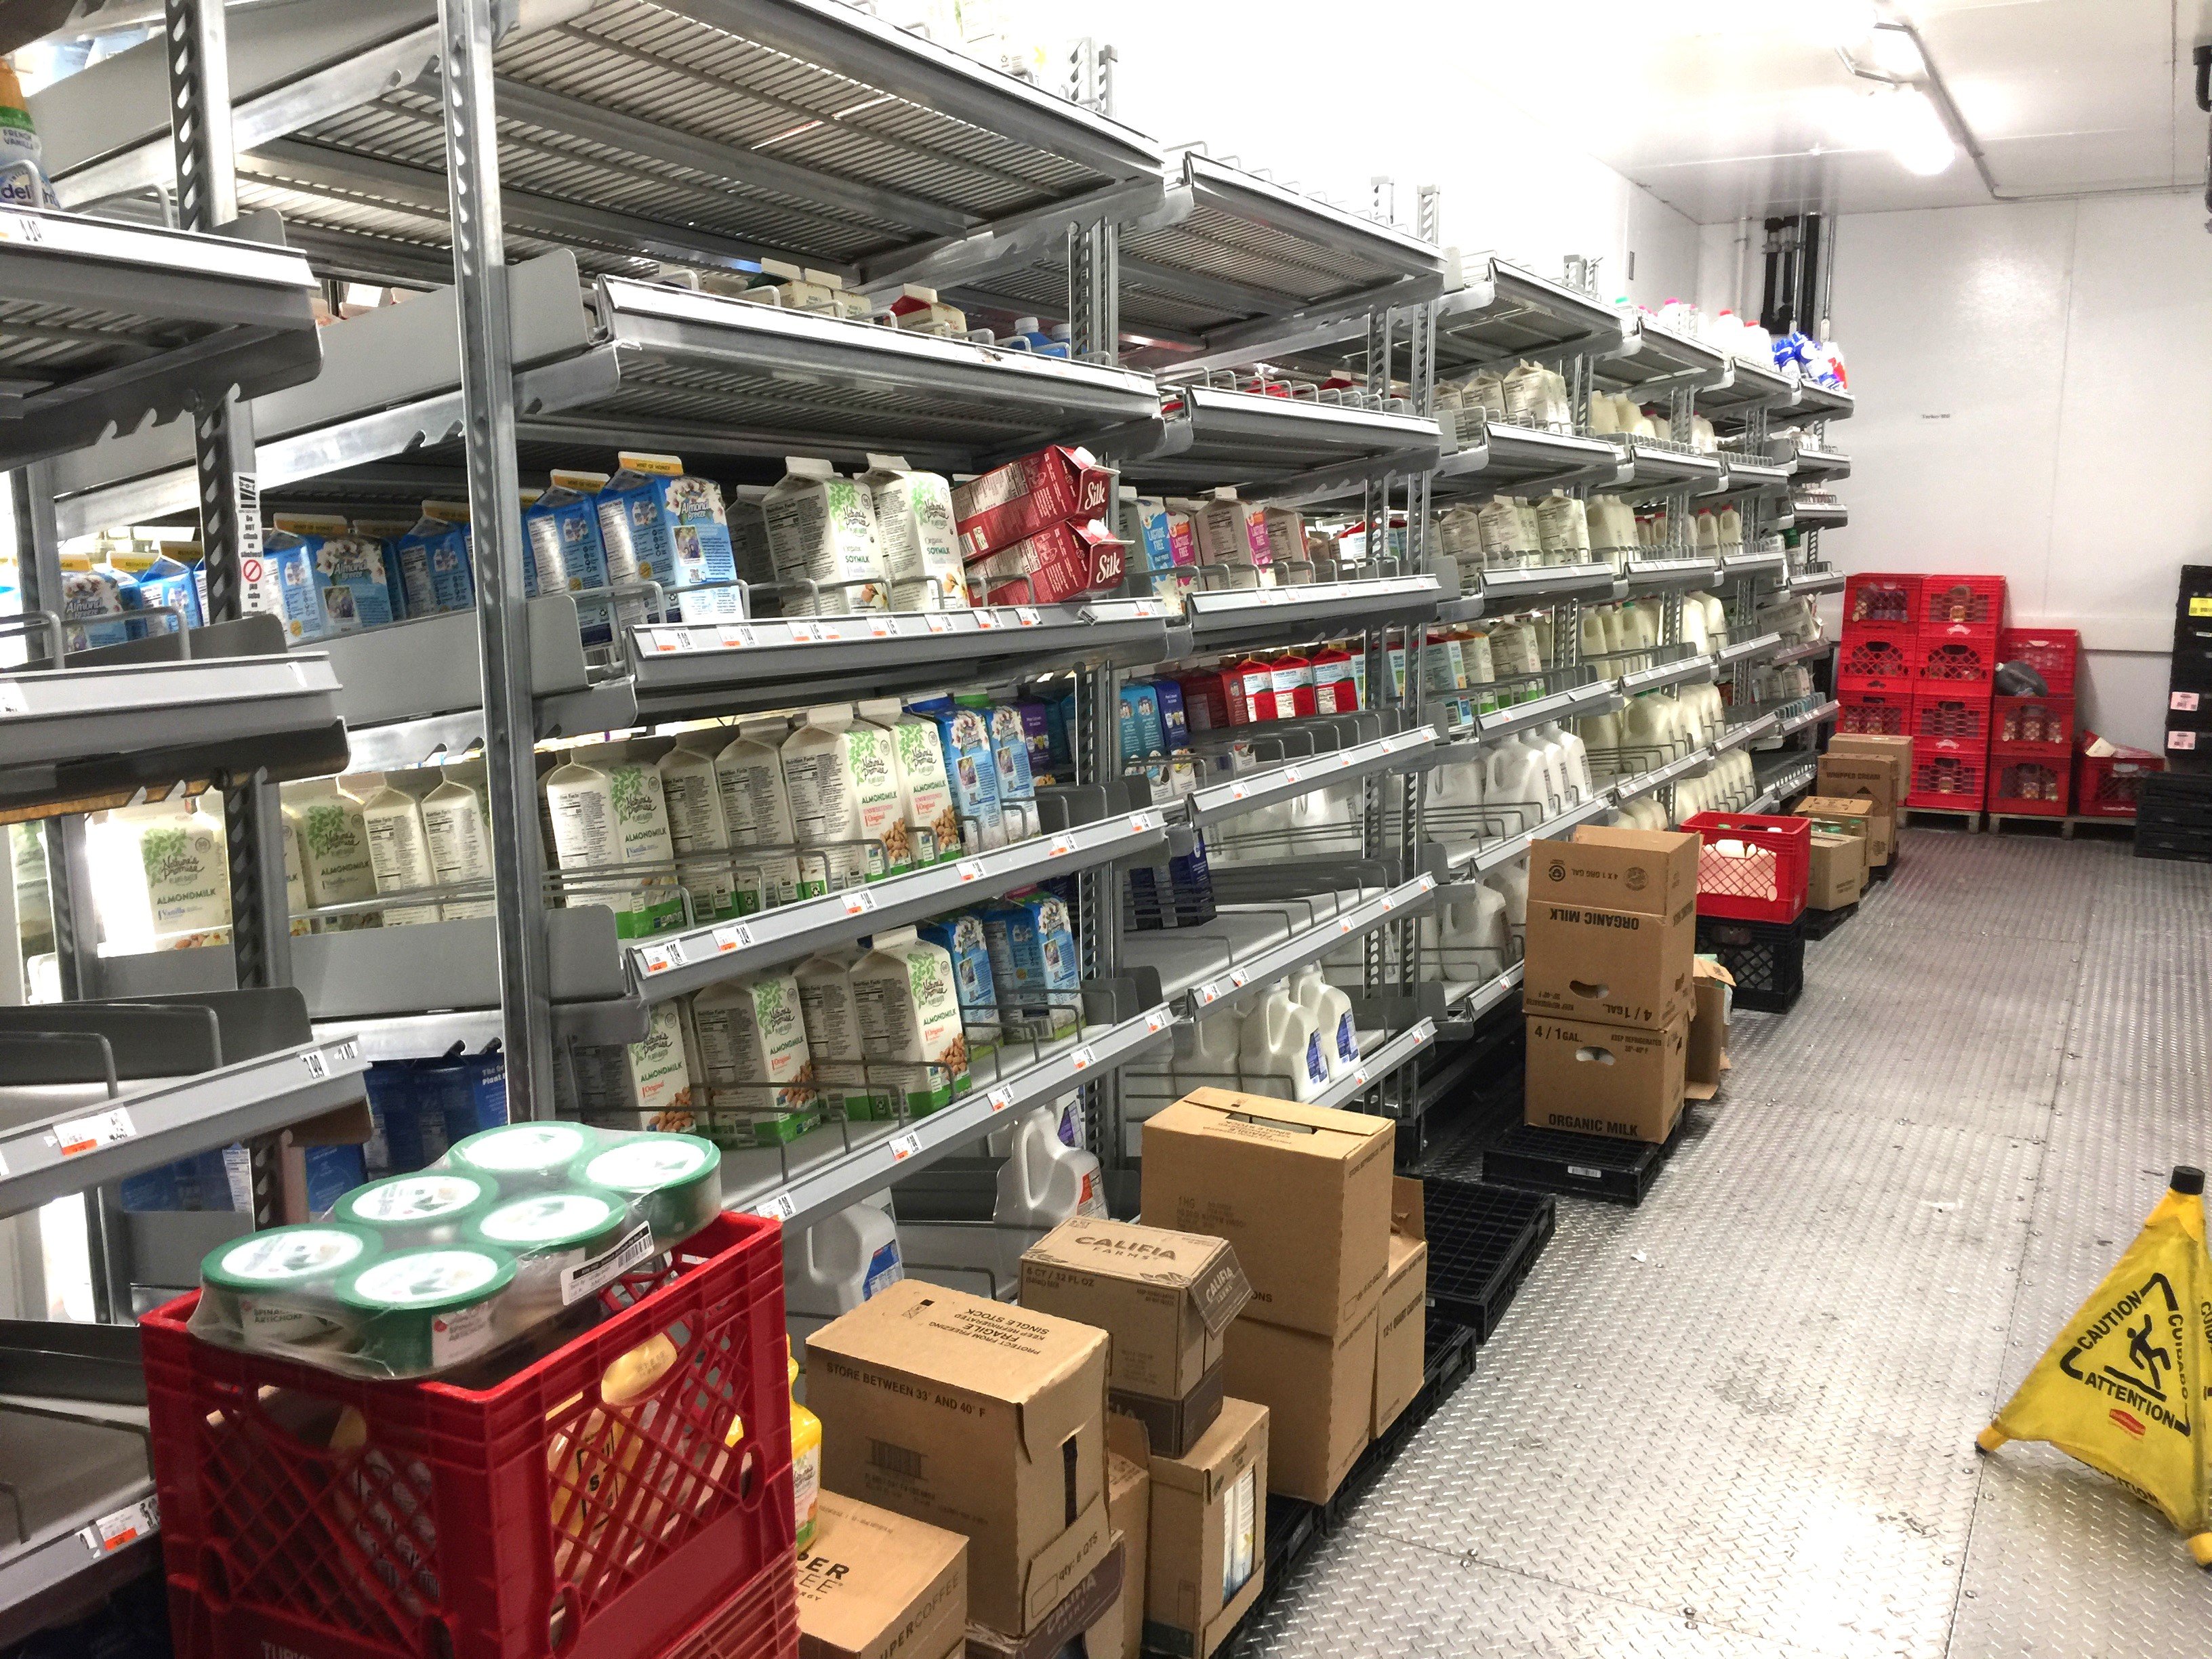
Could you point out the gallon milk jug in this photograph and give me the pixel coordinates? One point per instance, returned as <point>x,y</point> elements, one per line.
<point>839,1262</point>
<point>1330,1013</point>
<point>1514,784</point>
<point>1553,755</point>
<point>1473,932</point>
<point>1600,741</point>
<point>1574,760</point>
<point>1456,795</point>
<point>1510,883</point>
<point>1214,1055</point>
<point>1280,1052</point>
<point>1044,1180</point>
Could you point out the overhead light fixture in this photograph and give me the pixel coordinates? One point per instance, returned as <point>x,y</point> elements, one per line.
<point>1896,52</point>
<point>1913,132</point>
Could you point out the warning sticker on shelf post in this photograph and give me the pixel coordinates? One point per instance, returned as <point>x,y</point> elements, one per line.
<point>126,1526</point>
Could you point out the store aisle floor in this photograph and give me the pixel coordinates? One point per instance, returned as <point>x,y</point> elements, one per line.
<point>1737,1423</point>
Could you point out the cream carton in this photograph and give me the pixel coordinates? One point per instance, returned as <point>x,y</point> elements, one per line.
<point>908,1011</point>
<point>1033,962</point>
<point>567,550</point>
<point>919,310</point>
<point>675,533</point>
<point>915,535</point>
<point>821,528</point>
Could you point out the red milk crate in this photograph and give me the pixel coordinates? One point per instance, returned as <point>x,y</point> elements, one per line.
<point>1962,659</point>
<point>1939,712</point>
<point>1950,773</point>
<point>1877,659</point>
<point>2105,786</point>
<point>2032,726</point>
<point>1882,599</point>
<point>1763,877</point>
<point>2037,786</point>
<point>2053,653</point>
<point>616,1499</point>
<point>1875,714</point>
<point>1977,601</point>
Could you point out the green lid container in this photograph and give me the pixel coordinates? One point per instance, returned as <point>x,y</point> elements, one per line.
<point>676,1180</point>
<point>430,1206</point>
<point>574,1221</point>
<point>273,1288</point>
<point>521,1155</point>
<point>426,1311</point>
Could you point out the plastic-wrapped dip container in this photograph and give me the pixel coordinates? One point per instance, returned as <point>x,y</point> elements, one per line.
<point>430,1206</point>
<point>275,1286</point>
<point>426,1310</point>
<point>566,1245</point>
<point>524,1156</point>
<point>675,1179</point>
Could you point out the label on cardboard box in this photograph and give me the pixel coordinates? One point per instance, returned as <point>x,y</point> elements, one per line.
<point>1651,872</point>
<point>1617,967</point>
<point>1596,1079</point>
<point>877,1585</point>
<point>1165,1297</point>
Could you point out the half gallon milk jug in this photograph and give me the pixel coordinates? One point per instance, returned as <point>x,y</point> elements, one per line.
<point>1331,1012</point>
<point>838,1263</point>
<point>1045,1182</point>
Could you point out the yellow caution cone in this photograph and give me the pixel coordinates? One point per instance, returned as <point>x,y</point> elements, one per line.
<point>2127,1386</point>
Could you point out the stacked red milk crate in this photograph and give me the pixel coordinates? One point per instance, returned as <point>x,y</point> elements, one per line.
<point>1874,668</point>
<point>2032,739</point>
<point>1955,665</point>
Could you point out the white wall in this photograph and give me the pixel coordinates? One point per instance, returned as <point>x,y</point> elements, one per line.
<point>1302,92</point>
<point>2029,380</point>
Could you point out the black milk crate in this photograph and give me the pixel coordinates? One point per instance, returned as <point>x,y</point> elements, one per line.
<point>1588,1166</point>
<point>1767,959</point>
<point>1819,924</point>
<point>1482,1241</point>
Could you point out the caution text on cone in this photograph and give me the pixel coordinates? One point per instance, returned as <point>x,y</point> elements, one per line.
<point>2125,1387</point>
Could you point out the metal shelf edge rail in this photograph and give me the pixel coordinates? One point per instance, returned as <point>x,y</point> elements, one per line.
<point>1483,858</point>
<point>74,1552</point>
<point>1372,1069</point>
<point>1598,696</point>
<point>1748,650</point>
<point>1507,589</point>
<point>1217,801</point>
<point>1816,716</point>
<point>1747,731</point>
<point>65,714</point>
<point>1660,776</point>
<point>1228,616</point>
<point>1485,996</point>
<point>247,306</point>
<point>805,1197</point>
<point>1824,582</point>
<point>675,962</point>
<point>104,1141</point>
<point>1230,988</point>
<point>1693,670</point>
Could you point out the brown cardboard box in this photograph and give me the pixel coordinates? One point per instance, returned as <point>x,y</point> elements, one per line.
<point>1594,1079</point>
<point>1076,1613</point>
<point>1881,840</point>
<point>1851,816</point>
<point>1319,1392</point>
<point>1837,872</point>
<point>1128,1511</point>
<point>1302,1192</point>
<point>877,1585</point>
<point>1402,1321</point>
<point>973,1416</point>
<point>1166,1299</point>
<point>1704,1056</point>
<point>1611,926</point>
<point>1209,1534</point>
<point>1897,752</point>
<point>1869,777</point>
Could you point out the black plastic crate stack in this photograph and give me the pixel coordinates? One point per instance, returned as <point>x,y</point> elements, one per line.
<point>1767,959</point>
<point>2189,685</point>
<point>2173,816</point>
<point>1483,1240</point>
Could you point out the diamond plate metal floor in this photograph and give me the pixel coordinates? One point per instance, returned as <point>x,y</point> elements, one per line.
<point>1737,1423</point>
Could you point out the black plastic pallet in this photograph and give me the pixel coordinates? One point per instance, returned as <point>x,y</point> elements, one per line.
<point>1819,924</point>
<point>1483,1240</point>
<point>1883,872</point>
<point>2185,850</point>
<point>1587,1166</point>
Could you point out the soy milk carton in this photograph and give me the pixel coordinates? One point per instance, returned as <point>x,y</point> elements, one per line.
<point>915,536</point>
<point>821,528</point>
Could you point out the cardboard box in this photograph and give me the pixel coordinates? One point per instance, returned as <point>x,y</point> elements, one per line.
<point>1611,926</point>
<point>1897,752</point>
<point>1209,1534</point>
<point>877,1585</point>
<point>1837,872</point>
<point>1302,1192</point>
<point>1868,777</point>
<point>979,1417</point>
<point>1839,815</point>
<point>1704,1056</point>
<point>1319,1392</point>
<point>1165,1298</point>
<point>1881,840</point>
<point>1060,562</point>
<point>1594,1079</point>
<point>1402,1325</point>
<point>1121,1634</point>
<point>1019,498</point>
<point>1076,1613</point>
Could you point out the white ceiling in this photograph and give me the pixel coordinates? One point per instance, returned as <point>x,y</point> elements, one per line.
<point>1728,108</point>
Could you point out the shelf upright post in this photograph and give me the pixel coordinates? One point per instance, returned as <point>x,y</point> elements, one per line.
<point>480,283</point>
<point>200,138</point>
